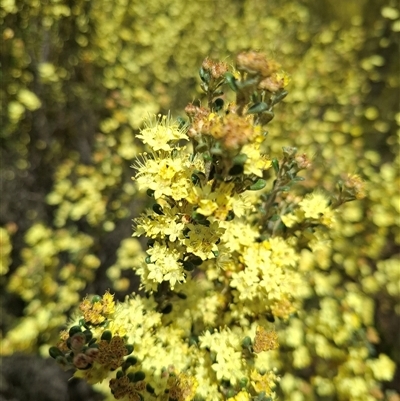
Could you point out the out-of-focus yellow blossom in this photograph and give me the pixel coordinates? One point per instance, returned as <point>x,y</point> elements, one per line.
<point>301,358</point>
<point>382,368</point>
<point>324,387</point>
<point>6,247</point>
<point>388,275</point>
<point>129,254</point>
<point>29,99</point>
<point>315,206</point>
<point>263,382</point>
<point>291,219</point>
<point>282,253</point>
<point>243,395</point>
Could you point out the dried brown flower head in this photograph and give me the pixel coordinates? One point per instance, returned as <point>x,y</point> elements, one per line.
<point>302,161</point>
<point>112,353</point>
<point>217,69</point>
<point>355,185</point>
<point>234,131</point>
<point>255,63</point>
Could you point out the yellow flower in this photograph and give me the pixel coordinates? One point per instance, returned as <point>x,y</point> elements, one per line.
<point>242,396</point>
<point>160,131</point>
<point>202,240</point>
<point>165,175</point>
<point>153,225</point>
<point>255,163</point>
<point>263,383</point>
<point>164,265</point>
<point>290,219</point>
<point>315,206</point>
<point>217,203</point>
<point>282,253</point>
<point>383,368</point>
<point>98,309</point>
<point>265,340</point>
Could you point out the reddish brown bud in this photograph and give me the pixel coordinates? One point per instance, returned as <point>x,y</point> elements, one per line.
<point>302,161</point>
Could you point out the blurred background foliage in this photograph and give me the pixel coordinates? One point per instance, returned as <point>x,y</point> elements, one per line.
<point>79,78</point>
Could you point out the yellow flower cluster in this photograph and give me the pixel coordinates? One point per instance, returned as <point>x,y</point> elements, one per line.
<point>265,340</point>
<point>313,207</point>
<point>97,310</point>
<point>330,275</point>
<point>186,222</point>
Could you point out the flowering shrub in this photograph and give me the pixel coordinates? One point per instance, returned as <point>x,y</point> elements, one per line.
<point>226,232</point>
<point>81,77</point>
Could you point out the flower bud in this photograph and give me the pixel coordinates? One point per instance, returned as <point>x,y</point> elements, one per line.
<point>77,341</point>
<point>129,349</point>
<point>136,377</point>
<point>74,329</point>
<point>107,335</point>
<point>55,352</point>
<point>81,361</point>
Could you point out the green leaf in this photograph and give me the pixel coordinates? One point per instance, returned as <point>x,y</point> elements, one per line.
<point>201,147</point>
<point>267,116</point>
<point>139,376</point>
<point>204,75</point>
<point>89,335</point>
<point>259,184</point>
<point>246,342</point>
<point>279,96</point>
<point>275,165</point>
<point>231,81</point>
<point>258,108</point>
<point>149,389</point>
<point>240,159</point>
